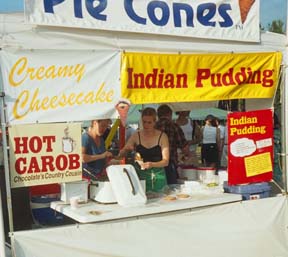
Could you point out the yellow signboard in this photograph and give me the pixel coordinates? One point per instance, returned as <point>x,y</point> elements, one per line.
<point>258,164</point>
<point>164,78</point>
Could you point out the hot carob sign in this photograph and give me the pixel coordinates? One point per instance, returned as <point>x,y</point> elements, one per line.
<point>45,153</point>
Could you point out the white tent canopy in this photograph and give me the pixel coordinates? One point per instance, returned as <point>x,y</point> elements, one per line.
<point>15,34</point>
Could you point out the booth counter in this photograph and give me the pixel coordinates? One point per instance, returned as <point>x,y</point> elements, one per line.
<point>255,228</point>
<point>97,212</point>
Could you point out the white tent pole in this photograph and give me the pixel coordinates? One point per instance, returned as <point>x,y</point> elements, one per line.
<point>2,234</point>
<point>7,179</point>
<point>6,165</point>
<point>285,106</point>
<point>284,118</point>
<point>2,229</point>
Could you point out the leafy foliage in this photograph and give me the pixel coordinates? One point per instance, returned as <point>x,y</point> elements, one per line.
<point>276,26</point>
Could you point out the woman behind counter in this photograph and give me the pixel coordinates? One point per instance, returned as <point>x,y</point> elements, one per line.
<point>94,153</point>
<point>153,146</point>
<point>211,143</point>
<point>192,133</point>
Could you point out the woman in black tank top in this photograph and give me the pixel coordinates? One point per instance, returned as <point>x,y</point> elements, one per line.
<point>153,154</point>
<point>153,146</point>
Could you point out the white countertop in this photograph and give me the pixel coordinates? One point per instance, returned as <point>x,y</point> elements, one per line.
<point>108,212</point>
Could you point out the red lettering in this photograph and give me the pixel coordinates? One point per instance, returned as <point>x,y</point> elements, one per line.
<point>61,162</point>
<point>49,140</point>
<point>47,161</point>
<point>33,166</point>
<point>74,161</point>
<point>156,79</point>
<point>230,78</point>
<point>21,143</point>
<point>24,145</point>
<point>35,144</point>
<point>130,79</point>
<point>240,76</point>
<point>20,169</point>
<point>202,74</point>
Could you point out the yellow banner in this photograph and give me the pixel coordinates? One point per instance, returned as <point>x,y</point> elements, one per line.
<point>164,78</point>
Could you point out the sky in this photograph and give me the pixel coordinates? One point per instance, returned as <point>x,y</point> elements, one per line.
<point>269,9</point>
<point>272,10</point>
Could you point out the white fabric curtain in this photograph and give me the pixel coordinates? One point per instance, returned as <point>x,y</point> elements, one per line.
<point>256,228</point>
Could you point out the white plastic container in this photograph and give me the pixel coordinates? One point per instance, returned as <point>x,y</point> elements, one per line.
<point>189,172</point>
<point>207,174</point>
<point>190,187</point>
<point>126,185</point>
<point>74,189</point>
<point>223,176</point>
<point>101,191</point>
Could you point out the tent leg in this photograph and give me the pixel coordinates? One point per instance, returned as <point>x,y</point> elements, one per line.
<point>2,234</point>
<point>6,165</point>
<point>284,119</point>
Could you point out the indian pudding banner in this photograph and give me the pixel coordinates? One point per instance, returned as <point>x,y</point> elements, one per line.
<point>45,154</point>
<point>164,78</point>
<point>250,147</point>
<point>55,86</point>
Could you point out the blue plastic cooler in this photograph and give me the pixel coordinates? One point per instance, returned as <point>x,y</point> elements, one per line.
<point>250,191</point>
<point>42,213</point>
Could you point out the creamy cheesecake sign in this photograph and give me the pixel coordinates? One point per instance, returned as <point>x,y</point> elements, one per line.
<point>45,153</point>
<point>216,19</point>
<point>55,86</point>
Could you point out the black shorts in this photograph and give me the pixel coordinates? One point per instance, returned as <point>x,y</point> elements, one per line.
<point>210,152</point>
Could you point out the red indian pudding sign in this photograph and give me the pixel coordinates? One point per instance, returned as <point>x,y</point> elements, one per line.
<point>250,140</point>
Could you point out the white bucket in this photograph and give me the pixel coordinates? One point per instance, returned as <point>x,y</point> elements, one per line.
<point>101,191</point>
<point>74,189</point>
<point>191,187</point>
<point>206,174</point>
<point>189,173</point>
<point>223,176</point>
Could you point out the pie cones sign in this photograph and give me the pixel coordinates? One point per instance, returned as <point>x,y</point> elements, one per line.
<point>245,6</point>
<point>215,19</point>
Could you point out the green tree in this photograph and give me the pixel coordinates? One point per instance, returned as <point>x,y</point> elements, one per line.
<point>276,26</point>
